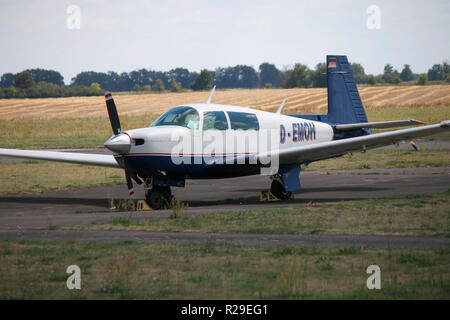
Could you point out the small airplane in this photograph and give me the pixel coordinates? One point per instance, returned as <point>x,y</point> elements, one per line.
<point>155,157</point>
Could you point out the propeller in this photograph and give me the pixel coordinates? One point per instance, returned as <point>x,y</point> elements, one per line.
<point>112,112</point>
<point>119,143</point>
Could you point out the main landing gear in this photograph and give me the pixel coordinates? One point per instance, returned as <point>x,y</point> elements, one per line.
<point>278,190</point>
<point>157,197</point>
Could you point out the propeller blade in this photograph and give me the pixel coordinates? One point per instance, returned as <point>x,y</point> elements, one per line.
<point>112,112</point>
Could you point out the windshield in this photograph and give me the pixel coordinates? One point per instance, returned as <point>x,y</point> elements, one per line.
<point>180,116</point>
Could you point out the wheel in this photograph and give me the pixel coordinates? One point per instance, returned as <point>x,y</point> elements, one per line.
<point>158,197</point>
<point>156,200</point>
<point>165,190</point>
<point>279,191</point>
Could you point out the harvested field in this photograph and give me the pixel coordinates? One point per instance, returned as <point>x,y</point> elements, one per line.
<point>299,100</point>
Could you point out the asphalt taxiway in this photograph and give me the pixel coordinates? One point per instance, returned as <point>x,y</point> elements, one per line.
<point>33,214</point>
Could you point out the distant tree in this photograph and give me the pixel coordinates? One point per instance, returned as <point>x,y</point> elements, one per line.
<point>395,79</point>
<point>203,81</point>
<point>45,89</point>
<point>183,76</point>
<point>388,69</point>
<point>446,69</point>
<point>147,87</point>
<point>406,74</point>
<point>319,76</point>
<point>358,72</point>
<point>50,76</point>
<point>439,71</point>
<point>268,73</point>
<point>159,86</point>
<point>436,72</point>
<point>423,79</point>
<point>371,79</point>
<point>390,75</point>
<point>175,86</point>
<point>96,86</point>
<point>24,80</point>
<point>137,88</point>
<point>379,78</point>
<point>239,76</point>
<point>248,78</point>
<point>268,85</point>
<point>298,77</point>
<point>7,80</point>
<point>6,93</point>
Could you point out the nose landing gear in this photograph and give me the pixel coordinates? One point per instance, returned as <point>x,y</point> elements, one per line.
<point>157,197</point>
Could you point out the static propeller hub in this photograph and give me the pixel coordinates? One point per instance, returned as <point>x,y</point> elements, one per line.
<point>120,143</point>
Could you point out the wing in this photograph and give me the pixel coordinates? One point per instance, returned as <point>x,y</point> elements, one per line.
<point>80,158</point>
<point>325,150</point>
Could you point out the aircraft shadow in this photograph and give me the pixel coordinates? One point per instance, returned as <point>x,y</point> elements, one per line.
<point>79,204</point>
<point>324,189</point>
<point>99,202</point>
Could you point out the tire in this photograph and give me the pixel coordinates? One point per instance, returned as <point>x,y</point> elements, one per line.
<point>156,200</point>
<point>158,195</point>
<point>165,190</point>
<point>278,190</point>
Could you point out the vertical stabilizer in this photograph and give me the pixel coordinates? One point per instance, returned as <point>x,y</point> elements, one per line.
<point>344,102</point>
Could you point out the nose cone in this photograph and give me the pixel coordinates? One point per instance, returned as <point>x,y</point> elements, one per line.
<point>120,143</point>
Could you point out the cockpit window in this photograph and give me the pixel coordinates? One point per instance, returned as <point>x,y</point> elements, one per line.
<point>215,120</point>
<point>243,121</point>
<point>179,116</point>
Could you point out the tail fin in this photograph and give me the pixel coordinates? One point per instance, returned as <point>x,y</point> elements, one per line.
<point>344,102</point>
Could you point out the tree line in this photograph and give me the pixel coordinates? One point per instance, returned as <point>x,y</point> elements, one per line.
<point>49,83</point>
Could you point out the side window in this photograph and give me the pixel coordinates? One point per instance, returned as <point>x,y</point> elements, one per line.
<point>214,120</point>
<point>243,121</point>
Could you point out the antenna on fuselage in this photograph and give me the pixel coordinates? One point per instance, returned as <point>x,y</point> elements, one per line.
<point>208,101</point>
<point>281,106</point>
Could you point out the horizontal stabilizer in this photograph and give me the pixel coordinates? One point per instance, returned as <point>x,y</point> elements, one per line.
<point>380,124</point>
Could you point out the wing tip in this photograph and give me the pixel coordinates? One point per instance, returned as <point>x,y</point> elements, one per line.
<point>445,124</point>
<point>416,121</point>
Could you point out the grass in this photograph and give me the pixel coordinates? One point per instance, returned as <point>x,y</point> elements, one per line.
<point>425,215</point>
<point>373,159</point>
<point>37,176</point>
<point>129,270</point>
<point>63,133</point>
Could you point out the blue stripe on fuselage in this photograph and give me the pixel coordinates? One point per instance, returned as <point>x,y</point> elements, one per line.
<point>192,167</point>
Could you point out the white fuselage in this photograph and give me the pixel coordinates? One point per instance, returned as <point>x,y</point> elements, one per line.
<point>290,132</point>
<point>198,148</point>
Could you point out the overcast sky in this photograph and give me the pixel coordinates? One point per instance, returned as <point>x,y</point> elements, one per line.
<point>160,35</point>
